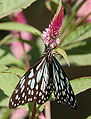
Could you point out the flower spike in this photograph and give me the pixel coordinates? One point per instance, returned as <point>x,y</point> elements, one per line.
<point>50,35</point>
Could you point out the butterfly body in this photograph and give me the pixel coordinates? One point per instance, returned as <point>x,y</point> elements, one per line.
<point>43,78</point>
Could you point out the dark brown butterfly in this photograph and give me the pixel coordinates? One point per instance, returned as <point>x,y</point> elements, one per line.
<point>43,78</point>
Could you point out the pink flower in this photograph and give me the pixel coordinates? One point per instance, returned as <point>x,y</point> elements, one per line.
<point>16,46</point>
<point>50,35</point>
<point>85,9</point>
<point>41,116</point>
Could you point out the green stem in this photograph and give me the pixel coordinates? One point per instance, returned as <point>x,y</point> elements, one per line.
<point>34,111</point>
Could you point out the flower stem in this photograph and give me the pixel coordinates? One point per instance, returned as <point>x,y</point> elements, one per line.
<point>47,110</point>
<point>34,111</point>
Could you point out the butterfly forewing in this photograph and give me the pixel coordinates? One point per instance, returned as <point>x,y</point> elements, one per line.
<point>32,86</point>
<point>62,89</point>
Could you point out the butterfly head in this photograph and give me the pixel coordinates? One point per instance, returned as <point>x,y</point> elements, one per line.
<point>49,52</point>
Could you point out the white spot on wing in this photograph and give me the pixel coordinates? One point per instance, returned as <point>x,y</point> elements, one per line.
<point>43,101</point>
<point>61,74</point>
<point>12,103</point>
<point>32,92</point>
<point>37,87</point>
<point>32,83</point>
<point>56,65</point>
<point>39,101</point>
<point>40,64</point>
<point>16,90</point>
<point>40,93</point>
<point>31,74</point>
<point>42,96</point>
<point>22,101</point>
<point>39,75</point>
<point>35,98</point>
<point>71,99</point>
<point>46,73</point>
<point>16,97</point>
<point>37,93</point>
<point>25,97</point>
<point>29,82</point>
<point>11,100</point>
<point>29,99</point>
<point>62,84</point>
<point>22,88</point>
<point>19,98</point>
<point>22,79</point>
<point>43,85</point>
<point>63,92</point>
<point>29,92</point>
<point>23,94</point>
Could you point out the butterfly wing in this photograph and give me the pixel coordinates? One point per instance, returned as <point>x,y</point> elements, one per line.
<point>32,86</point>
<point>62,89</point>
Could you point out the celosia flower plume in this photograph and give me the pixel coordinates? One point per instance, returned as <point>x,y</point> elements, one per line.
<point>50,35</point>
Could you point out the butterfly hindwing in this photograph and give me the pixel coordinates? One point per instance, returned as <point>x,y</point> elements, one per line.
<point>62,89</point>
<point>32,86</point>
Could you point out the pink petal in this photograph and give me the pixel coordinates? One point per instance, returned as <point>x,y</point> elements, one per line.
<point>17,49</point>
<point>20,18</point>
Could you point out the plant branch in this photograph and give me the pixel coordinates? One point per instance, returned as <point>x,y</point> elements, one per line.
<point>25,55</point>
<point>27,67</point>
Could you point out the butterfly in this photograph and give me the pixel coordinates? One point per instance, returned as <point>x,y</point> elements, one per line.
<point>45,77</point>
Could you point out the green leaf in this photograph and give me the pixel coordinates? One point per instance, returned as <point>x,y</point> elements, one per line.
<point>4,102</point>
<point>79,34</point>
<point>5,39</point>
<point>88,117</point>
<point>81,84</point>
<point>19,27</point>
<point>15,70</point>
<point>9,78</point>
<point>3,67</point>
<point>3,99</point>
<point>80,54</point>
<point>63,53</point>
<point>8,82</point>
<point>6,114</point>
<point>80,59</point>
<point>10,6</point>
<point>6,58</point>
